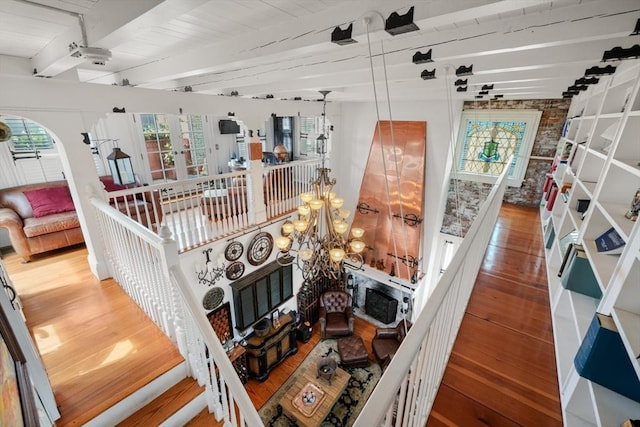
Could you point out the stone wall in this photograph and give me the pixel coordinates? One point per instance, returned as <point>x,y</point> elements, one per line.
<point>471,194</point>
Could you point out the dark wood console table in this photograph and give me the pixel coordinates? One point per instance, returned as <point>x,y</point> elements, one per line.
<point>264,353</point>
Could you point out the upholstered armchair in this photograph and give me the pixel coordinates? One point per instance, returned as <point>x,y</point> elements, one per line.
<point>386,342</point>
<point>336,315</point>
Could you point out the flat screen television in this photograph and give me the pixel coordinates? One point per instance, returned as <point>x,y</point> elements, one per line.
<point>228,127</point>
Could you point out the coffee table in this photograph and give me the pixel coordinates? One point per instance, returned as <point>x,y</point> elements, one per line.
<point>331,391</point>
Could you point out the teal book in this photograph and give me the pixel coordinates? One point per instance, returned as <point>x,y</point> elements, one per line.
<point>603,359</point>
<point>578,275</point>
<point>550,236</point>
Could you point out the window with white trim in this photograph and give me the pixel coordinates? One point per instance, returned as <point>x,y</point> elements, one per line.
<point>33,150</point>
<point>486,140</point>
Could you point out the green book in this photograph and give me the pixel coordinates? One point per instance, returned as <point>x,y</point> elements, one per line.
<point>578,275</point>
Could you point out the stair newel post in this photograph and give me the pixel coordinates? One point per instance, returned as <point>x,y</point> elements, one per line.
<point>175,315</point>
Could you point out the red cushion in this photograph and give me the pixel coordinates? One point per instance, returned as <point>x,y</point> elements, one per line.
<point>109,185</point>
<point>49,200</point>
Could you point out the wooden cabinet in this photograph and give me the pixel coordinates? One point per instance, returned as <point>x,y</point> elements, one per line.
<point>238,357</point>
<point>264,353</point>
<point>601,165</point>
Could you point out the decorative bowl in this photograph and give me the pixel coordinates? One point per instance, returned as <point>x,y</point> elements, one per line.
<point>262,327</point>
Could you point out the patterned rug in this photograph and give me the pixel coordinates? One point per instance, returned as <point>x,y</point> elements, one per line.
<point>348,406</point>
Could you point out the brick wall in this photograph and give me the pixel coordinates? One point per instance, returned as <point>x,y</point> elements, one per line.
<point>471,194</point>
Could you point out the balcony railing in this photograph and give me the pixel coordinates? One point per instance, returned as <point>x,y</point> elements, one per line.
<point>202,210</point>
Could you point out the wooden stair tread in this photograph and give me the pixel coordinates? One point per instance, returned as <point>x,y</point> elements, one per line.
<point>165,405</point>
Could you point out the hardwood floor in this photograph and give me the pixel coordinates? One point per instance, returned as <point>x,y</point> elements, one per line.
<point>96,343</point>
<point>502,370</point>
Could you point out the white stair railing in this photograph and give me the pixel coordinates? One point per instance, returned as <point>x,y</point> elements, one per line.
<point>406,391</point>
<point>284,183</point>
<point>202,210</point>
<point>146,266</point>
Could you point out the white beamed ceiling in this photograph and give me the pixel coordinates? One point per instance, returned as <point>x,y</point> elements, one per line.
<point>525,48</point>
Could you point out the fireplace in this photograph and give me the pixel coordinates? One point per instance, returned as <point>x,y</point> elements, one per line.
<point>380,306</point>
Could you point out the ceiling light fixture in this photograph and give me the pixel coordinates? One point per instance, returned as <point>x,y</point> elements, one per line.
<point>400,24</point>
<point>319,230</point>
<point>428,75</point>
<point>600,71</point>
<point>618,53</point>
<point>464,71</point>
<point>422,58</point>
<point>342,37</point>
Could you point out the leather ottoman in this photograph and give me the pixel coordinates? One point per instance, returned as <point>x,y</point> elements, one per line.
<point>353,352</point>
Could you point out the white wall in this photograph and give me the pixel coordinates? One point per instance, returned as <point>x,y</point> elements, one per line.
<point>356,133</point>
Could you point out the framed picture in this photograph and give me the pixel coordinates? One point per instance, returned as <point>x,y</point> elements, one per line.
<point>275,318</point>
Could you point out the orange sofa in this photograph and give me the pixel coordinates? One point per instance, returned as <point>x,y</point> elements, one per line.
<point>41,217</point>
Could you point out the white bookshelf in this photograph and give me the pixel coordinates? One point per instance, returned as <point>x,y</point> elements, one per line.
<point>602,134</point>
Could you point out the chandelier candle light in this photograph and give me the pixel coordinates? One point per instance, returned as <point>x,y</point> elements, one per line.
<point>319,231</point>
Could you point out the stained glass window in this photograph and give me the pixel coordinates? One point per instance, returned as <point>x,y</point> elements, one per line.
<point>487,140</point>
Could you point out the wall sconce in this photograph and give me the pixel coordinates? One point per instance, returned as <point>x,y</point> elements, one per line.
<point>400,24</point>
<point>461,89</point>
<point>342,37</point>
<point>461,82</point>
<point>487,87</point>
<point>211,272</point>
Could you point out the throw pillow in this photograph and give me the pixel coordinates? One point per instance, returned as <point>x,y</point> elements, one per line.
<point>110,186</point>
<point>49,200</point>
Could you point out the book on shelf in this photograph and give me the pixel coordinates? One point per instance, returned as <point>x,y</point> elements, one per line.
<point>603,359</point>
<point>567,243</point>
<point>569,238</point>
<point>582,205</point>
<point>568,254</point>
<point>578,275</point>
<point>550,234</point>
<point>553,193</point>
<point>610,242</point>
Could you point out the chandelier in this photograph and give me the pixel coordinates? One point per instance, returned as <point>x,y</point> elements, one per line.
<point>317,240</point>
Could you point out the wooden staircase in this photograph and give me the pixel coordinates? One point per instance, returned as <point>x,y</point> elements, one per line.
<point>175,407</point>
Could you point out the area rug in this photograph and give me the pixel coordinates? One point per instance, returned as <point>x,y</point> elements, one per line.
<point>348,406</point>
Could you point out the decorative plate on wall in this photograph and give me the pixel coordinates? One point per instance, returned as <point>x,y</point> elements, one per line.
<point>212,298</point>
<point>233,251</point>
<point>259,248</point>
<point>235,270</point>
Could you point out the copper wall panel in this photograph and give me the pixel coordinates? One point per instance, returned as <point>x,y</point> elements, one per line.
<point>393,193</point>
